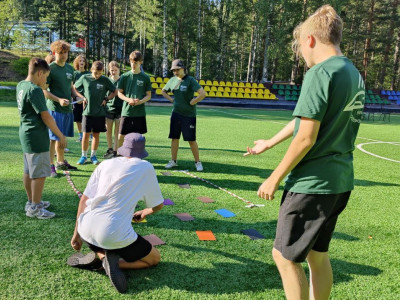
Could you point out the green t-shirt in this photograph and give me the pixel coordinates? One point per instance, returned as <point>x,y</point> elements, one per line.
<point>134,86</point>
<point>115,105</point>
<point>60,81</point>
<point>33,133</point>
<point>183,93</point>
<point>94,91</point>
<point>77,75</point>
<point>333,93</point>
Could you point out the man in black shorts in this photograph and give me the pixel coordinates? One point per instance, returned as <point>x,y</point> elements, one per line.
<point>106,209</point>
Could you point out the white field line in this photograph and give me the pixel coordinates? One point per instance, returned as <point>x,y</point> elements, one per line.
<point>360,147</point>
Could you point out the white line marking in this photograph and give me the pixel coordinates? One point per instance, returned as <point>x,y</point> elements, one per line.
<point>360,147</point>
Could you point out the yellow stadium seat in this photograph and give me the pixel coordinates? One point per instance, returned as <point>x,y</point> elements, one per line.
<point>226,95</point>
<point>241,90</point>
<point>208,82</point>
<point>196,94</point>
<point>170,93</point>
<point>215,83</point>
<point>211,94</point>
<point>207,88</point>
<point>158,92</point>
<point>272,96</point>
<point>247,90</point>
<point>166,79</point>
<point>241,84</point>
<point>261,86</point>
<point>248,85</point>
<point>227,89</point>
<point>254,96</point>
<point>267,91</point>
<point>235,84</point>
<point>233,95</point>
<point>159,79</point>
<point>154,85</point>
<point>239,95</point>
<point>222,83</point>
<point>254,85</point>
<point>162,85</point>
<point>254,91</point>
<point>234,90</point>
<point>218,94</point>
<point>228,83</point>
<point>260,91</point>
<point>152,79</point>
<point>246,95</point>
<point>202,82</point>
<point>220,89</point>
<point>214,89</point>
<point>267,96</point>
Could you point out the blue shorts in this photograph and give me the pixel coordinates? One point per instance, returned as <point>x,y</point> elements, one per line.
<point>65,122</point>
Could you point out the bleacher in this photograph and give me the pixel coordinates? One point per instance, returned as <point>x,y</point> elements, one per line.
<point>391,96</point>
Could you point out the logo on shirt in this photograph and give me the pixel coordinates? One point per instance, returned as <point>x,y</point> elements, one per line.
<point>69,76</point>
<point>139,82</point>
<point>99,86</point>
<point>19,99</point>
<point>356,105</point>
<point>183,88</point>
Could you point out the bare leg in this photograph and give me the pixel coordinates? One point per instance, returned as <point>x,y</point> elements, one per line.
<point>60,153</point>
<point>293,277</point>
<point>195,150</point>
<point>37,186</point>
<point>321,277</point>
<point>79,126</point>
<point>96,140</point>
<point>28,185</point>
<point>174,149</point>
<point>85,141</point>
<point>109,125</point>
<point>116,130</point>
<point>121,138</point>
<point>52,151</point>
<point>152,259</point>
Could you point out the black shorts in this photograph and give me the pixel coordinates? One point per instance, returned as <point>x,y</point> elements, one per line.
<point>113,115</point>
<point>133,252</point>
<point>93,124</point>
<point>77,110</point>
<point>306,222</point>
<point>181,124</point>
<point>132,124</point>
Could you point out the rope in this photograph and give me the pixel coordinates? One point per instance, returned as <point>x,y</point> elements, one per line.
<point>249,204</point>
<point>71,183</point>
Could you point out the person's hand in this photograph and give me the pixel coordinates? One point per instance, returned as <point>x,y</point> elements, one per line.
<point>104,103</point>
<point>76,242</point>
<point>137,101</point>
<point>132,102</point>
<point>62,142</point>
<point>64,102</point>
<point>260,147</point>
<point>84,102</point>
<point>192,102</point>
<point>268,188</point>
<point>142,214</point>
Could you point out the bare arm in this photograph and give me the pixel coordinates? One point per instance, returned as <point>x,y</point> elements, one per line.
<point>76,241</point>
<point>145,99</point>
<point>52,97</point>
<point>124,98</point>
<point>141,214</point>
<point>263,145</point>
<point>166,96</point>
<point>201,96</point>
<point>51,124</point>
<point>299,147</point>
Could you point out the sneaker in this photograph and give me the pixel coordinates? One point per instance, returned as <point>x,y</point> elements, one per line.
<point>171,164</point>
<point>44,204</point>
<point>82,160</point>
<point>39,212</point>
<point>111,155</point>
<point>117,277</point>
<point>88,262</point>
<point>94,160</point>
<point>53,171</point>
<point>199,166</point>
<point>109,151</point>
<point>65,166</point>
<point>79,140</point>
<point>66,150</point>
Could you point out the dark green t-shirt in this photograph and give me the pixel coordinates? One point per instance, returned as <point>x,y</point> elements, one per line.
<point>77,75</point>
<point>134,86</point>
<point>183,93</point>
<point>94,91</point>
<point>60,80</point>
<point>333,93</point>
<point>33,133</point>
<point>115,105</point>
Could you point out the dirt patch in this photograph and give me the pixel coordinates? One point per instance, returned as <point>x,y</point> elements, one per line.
<point>6,71</point>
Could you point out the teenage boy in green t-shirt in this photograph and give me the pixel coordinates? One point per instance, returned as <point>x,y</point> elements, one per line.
<point>58,92</point>
<point>34,136</point>
<point>134,88</point>
<point>97,90</point>
<point>183,118</point>
<point>319,161</point>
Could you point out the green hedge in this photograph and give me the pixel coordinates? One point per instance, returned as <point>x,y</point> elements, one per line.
<point>20,65</point>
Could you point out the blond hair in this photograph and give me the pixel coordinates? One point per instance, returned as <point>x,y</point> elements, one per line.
<point>324,24</point>
<point>76,62</point>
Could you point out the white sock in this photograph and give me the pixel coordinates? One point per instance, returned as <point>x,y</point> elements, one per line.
<point>84,153</point>
<point>93,153</point>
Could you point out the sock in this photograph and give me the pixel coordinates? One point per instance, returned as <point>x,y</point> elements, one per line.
<point>30,201</point>
<point>93,153</point>
<point>84,153</point>
<point>80,134</point>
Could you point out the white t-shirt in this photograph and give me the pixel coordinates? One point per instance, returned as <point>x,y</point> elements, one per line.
<point>114,189</point>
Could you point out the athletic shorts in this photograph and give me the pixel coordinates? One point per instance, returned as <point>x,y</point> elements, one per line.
<point>93,124</point>
<point>37,165</point>
<point>133,252</point>
<point>181,124</point>
<point>77,110</point>
<point>132,124</point>
<point>65,122</point>
<point>306,222</point>
<point>113,115</point>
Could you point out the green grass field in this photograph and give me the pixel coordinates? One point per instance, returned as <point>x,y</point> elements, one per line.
<point>365,249</point>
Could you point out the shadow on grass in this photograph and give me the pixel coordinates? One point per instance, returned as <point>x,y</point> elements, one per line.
<point>362,182</point>
<point>343,271</point>
<point>344,237</point>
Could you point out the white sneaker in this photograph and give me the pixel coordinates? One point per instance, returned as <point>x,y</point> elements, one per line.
<point>39,212</point>
<point>66,150</point>
<point>44,204</point>
<point>171,164</point>
<point>199,166</point>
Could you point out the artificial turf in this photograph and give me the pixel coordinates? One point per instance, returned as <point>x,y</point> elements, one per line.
<point>364,251</point>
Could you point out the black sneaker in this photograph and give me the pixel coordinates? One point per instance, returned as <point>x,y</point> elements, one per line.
<point>88,262</point>
<point>111,155</point>
<point>65,166</point>
<point>117,277</point>
<point>109,151</point>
